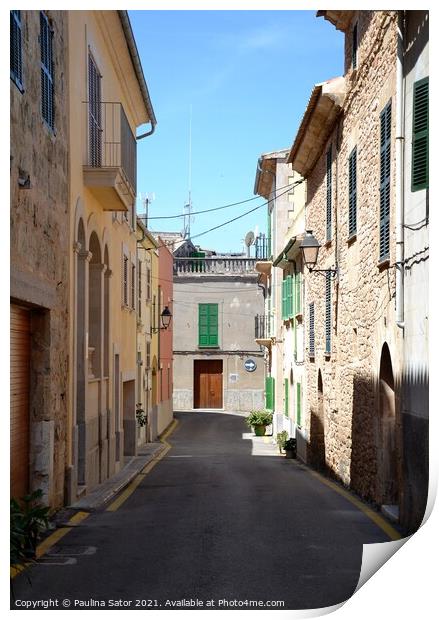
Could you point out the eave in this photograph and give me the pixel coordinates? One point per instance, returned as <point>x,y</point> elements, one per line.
<point>320,115</point>
<point>339,19</point>
<point>289,252</point>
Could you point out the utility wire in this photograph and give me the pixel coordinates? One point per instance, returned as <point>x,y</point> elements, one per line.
<point>233,204</point>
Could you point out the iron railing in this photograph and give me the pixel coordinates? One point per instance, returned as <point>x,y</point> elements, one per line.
<point>262,247</point>
<point>214,265</point>
<point>110,141</point>
<point>263,326</point>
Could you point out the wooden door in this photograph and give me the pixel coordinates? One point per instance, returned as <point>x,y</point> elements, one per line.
<point>208,384</point>
<point>20,381</point>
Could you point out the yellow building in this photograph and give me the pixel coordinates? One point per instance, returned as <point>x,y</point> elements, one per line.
<point>108,100</point>
<point>147,335</point>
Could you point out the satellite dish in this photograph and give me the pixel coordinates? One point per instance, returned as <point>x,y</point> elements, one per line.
<point>249,238</point>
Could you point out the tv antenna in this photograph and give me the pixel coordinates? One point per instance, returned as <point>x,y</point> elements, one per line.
<point>188,206</point>
<point>146,199</point>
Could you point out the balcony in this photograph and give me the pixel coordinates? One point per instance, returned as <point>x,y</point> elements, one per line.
<point>263,255</point>
<point>215,266</point>
<point>110,157</point>
<point>263,330</point>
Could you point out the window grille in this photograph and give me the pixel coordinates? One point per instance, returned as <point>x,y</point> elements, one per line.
<point>311,330</point>
<point>328,315</point>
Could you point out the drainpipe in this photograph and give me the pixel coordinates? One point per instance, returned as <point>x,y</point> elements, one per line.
<point>399,203</point>
<point>132,48</point>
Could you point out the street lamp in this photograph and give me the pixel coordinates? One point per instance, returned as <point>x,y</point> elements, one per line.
<point>165,318</point>
<point>310,250</point>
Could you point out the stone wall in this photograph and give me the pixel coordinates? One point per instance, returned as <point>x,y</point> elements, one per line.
<point>39,247</point>
<point>346,409</point>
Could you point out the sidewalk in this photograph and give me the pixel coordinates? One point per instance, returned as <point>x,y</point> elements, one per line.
<point>111,487</point>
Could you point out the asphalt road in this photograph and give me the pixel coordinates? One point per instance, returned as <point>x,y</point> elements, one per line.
<point>219,518</point>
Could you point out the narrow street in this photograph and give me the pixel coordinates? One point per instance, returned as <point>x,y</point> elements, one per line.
<point>221,516</point>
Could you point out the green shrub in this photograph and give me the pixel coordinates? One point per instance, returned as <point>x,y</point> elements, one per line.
<point>281,438</point>
<point>290,444</point>
<point>259,417</point>
<point>28,520</point>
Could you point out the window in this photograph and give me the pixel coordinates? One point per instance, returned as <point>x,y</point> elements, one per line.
<point>288,298</point>
<point>329,194</point>
<point>139,288</point>
<point>47,93</point>
<point>353,193</point>
<point>287,398</point>
<point>385,130</point>
<point>207,325</point>
<point>94,114</point>
<point>328,315</point>
<point>148,355</point>
<point>298,404</point>
<point>133,286</point>
<point>269,393</point>
<point>125,281</point>
<point>148,283</point>
<point>311,330</point>
<point>16,49</point>
<point>354,46</point>
<point>420,136</point>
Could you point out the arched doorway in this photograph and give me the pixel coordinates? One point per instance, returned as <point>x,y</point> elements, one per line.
<point>317,429</point>
<point>387,449</point>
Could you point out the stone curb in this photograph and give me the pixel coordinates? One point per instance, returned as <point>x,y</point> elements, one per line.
<point>108,489</point>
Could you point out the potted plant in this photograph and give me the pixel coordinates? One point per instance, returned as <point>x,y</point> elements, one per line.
<point>281,439</point>
<point>290,447</point>
<point>259,419</point>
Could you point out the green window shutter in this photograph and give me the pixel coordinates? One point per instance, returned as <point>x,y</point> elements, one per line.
<point>329,194</point>
<point>269,393</point>
<point>420,136</point>
<point>284,299</point>
<point>298,309</point>
<point>328,315</point>
<point>46,52</point>
<point>207,325</point>
<point>353,193</point>
<point>287,395</point>
<point>16,55</point>
<point>295,338</point>
<point>298,404</point>
<point>311,330</point>
<point>292,296</point>
<point>385,159</point>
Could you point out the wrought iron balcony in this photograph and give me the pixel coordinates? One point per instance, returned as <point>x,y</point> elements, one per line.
<point>263,329</point>
<point>214,265</point>
<point>110,155</point>
<point>262,247</point>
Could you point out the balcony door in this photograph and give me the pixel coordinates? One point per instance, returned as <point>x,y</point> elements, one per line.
<point>208,384</point>
<point>94,114</point>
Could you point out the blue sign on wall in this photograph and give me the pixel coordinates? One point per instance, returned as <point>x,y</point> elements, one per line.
<point>250,365</point>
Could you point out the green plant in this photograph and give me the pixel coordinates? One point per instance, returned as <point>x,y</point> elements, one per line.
<point>259,417</point>
<point>141,416</point>
<point>290,445</point>
<point>281,438</point>
<point>28,520</point>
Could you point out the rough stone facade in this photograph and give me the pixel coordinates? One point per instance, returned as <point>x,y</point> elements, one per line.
<point>39,249</point>
<point>348,430</point>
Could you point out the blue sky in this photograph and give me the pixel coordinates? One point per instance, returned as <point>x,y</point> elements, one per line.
<point>248,76</point>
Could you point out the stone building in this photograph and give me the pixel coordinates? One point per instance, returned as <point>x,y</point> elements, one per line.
<point>108,102</point>
<point>39,252</point>
<point>216,362</point>
<point>347,149</point>
<point>280,329</point>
